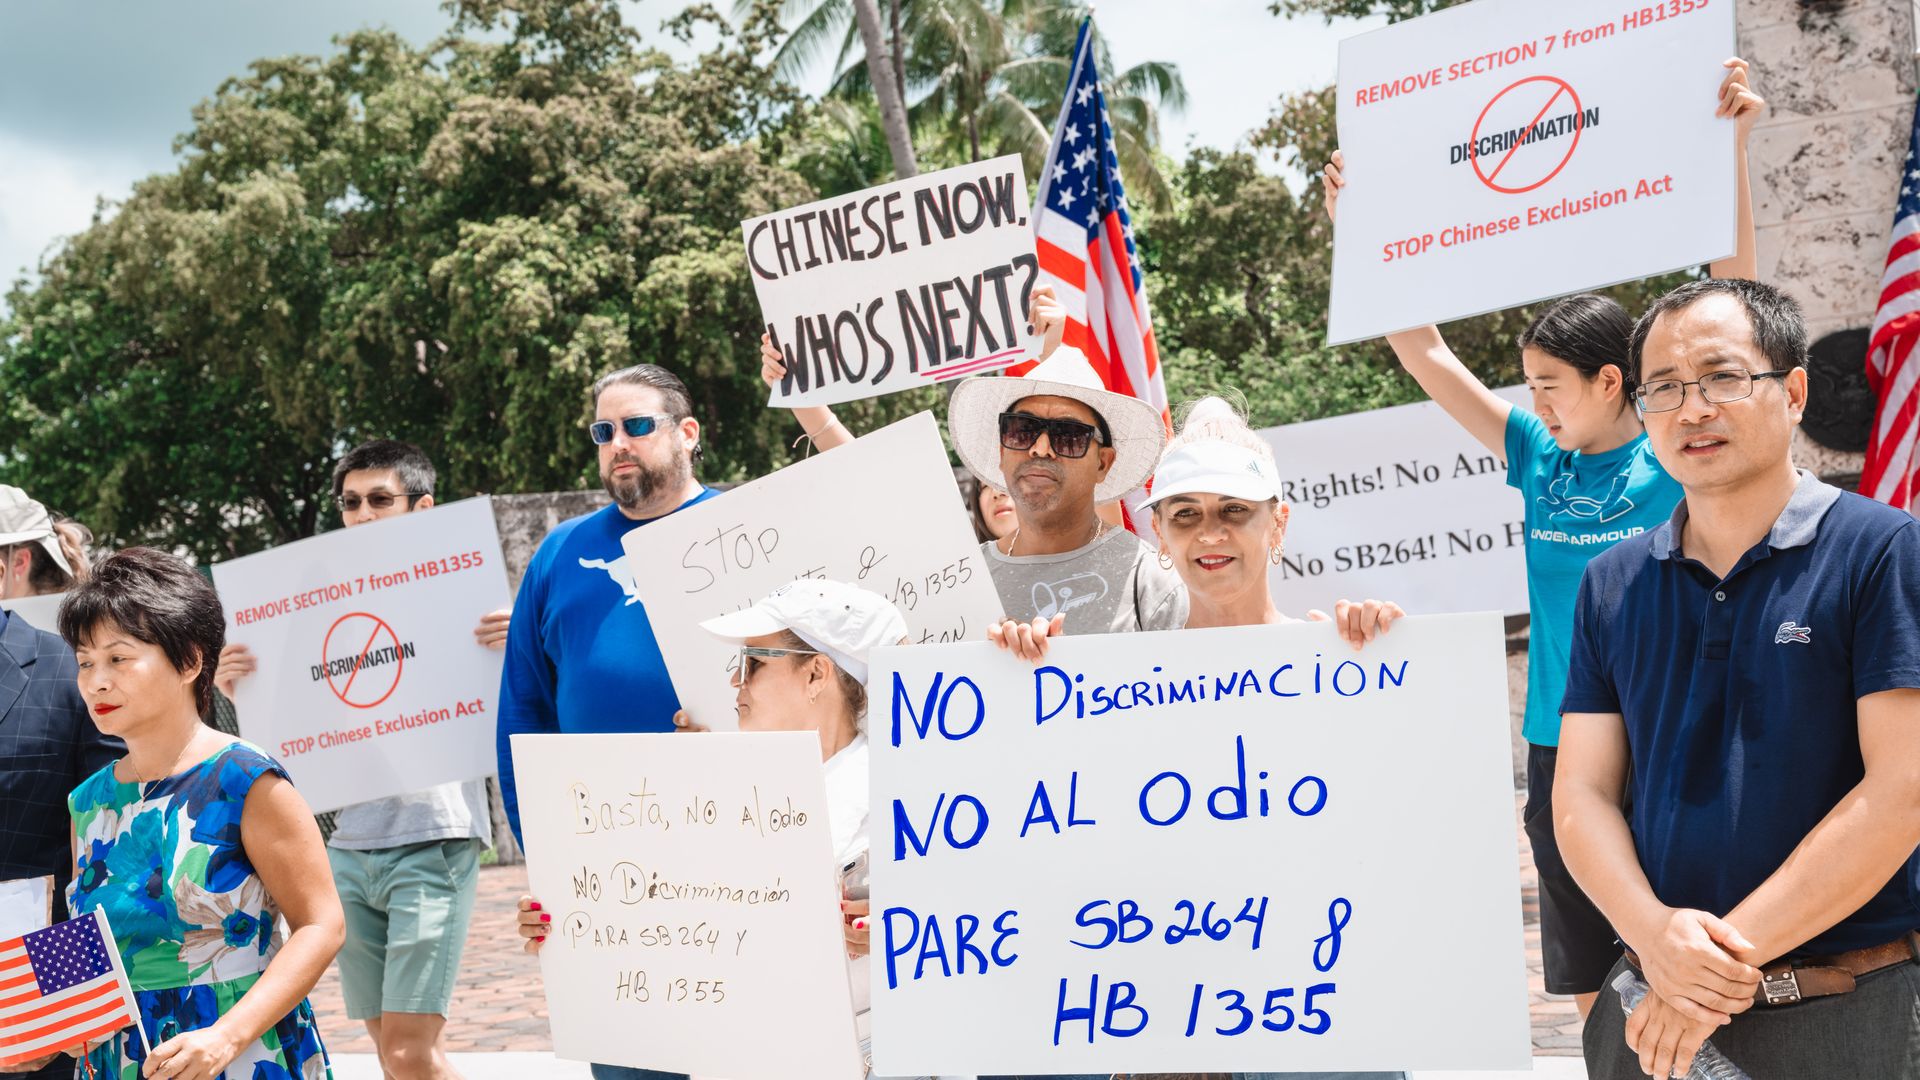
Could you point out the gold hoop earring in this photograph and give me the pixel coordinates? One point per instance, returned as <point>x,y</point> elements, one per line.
<point>1166,561</point>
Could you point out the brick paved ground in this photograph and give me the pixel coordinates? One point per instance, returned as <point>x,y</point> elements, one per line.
<point>499,1005</point>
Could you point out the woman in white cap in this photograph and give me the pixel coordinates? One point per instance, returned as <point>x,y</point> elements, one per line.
<point>1218,515</point>
<point>803,667</point>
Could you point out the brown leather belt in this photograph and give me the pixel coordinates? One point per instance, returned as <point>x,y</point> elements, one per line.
<point>1789,980</point>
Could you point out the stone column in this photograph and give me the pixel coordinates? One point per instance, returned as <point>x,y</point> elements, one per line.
<point>1839,79</point>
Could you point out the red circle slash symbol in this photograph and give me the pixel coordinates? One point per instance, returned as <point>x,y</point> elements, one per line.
<point>1549,91</point>
<point>371,680</point>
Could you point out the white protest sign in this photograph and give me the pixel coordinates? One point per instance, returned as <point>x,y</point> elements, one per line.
<point>370,682</point>
<point>1242,849</point>
<point>1505,151</point>
<point>1416,512</point>
<point>695,903</point>
<point>902,285</point>
<point>26,905</point>
<point>40,612</point>
<point>882,513</point>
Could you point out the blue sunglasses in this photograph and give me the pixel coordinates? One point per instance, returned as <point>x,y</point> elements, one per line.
<point>636,427</point>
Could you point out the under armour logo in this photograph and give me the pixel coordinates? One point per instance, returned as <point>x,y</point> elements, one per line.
<point>1791,633</point>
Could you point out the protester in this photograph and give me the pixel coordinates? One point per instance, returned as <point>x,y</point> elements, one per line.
<point>194,844</point>
<point>803,667</point>
<point>1761,721</point>
<point>48,743</point>
<point>581,655</point>
<point>1220,522</point>
<point>33,552</point>
<point>1590,479</point>
<point>407,867</point>
<point>990,509</point>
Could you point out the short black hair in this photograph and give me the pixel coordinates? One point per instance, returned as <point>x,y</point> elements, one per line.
<point>673,393</point>
<point>412,463</point>
<point>1779,329</point>
<point>161,600</point>
<point>1586,332</point>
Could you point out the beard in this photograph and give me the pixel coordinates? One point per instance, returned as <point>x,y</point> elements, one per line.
<point>634,489</point>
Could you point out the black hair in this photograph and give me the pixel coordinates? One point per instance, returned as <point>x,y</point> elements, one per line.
<point>1779,329</point>
<point>409,461</point>
<point>673,393</point>
<point>159,599</point>
<point>971,489</point>
<point>1586,332</point>
<point>43,574</point>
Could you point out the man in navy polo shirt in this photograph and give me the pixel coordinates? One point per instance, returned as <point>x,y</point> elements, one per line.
<point>1750,669</point>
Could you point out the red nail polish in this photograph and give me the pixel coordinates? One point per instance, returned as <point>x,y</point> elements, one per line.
<point>546,918</point>
<point>859,924</point>
<point>535,906</point>
<point>542,937</point>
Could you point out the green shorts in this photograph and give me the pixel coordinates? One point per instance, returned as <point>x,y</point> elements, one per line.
<point>407,912</point>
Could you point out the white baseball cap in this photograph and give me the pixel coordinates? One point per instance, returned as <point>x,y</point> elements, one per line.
<point>1216,467</point>
<point>23,521</point>
<point>843,621</point>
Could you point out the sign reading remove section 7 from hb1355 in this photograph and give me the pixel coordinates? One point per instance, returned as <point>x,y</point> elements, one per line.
<point>901,285</point>
<point>1506,151</point>
<point>370,682</point>
<point>1242,849</point>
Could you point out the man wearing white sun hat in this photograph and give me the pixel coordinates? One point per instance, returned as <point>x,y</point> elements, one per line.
<point>1060,443</point>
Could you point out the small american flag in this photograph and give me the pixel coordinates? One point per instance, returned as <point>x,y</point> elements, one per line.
<point>61,987</point>
<point>1084,237</point>
<point>1892,472</point>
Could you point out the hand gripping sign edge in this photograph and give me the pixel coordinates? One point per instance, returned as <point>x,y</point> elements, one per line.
<point>1574,144</point>
<point>359,658</point>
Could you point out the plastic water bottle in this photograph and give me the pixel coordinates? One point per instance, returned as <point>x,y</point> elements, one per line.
<point>1709,1063</point>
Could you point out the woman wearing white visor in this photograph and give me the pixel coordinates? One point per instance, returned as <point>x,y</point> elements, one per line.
<point>1221,523</point>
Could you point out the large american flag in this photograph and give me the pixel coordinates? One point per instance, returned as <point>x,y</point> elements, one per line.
<point>1892,472</point>
<point>1084,237</point>
<point>60,988</point>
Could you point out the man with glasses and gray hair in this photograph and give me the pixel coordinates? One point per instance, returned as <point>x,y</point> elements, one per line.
<point>581,655</point>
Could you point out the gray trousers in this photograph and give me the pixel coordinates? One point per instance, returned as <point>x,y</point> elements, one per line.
<point>1873,1032</point>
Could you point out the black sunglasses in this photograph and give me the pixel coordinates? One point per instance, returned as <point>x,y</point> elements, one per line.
<point>379,500</point>
<point>1068,438</point>
<point>636,427</point>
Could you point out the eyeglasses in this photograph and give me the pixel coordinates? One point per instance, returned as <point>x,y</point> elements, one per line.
<point>379,500</point>
<point>636,427</point>
<point>752,656</point>
<point>1717,388</point>
<point>1068,438</point>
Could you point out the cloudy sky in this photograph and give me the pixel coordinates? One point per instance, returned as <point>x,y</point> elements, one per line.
<point>92,94</point>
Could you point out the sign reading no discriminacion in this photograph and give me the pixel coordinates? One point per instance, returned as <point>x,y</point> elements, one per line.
<point>1505,151</point>
<point>902,285</point>
<point>370,682</point>
<point>695,902</point>
<point>881,513</point>
<point>1248,849</point>
<point>1415,511</point>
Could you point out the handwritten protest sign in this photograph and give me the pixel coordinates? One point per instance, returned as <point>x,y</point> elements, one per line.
<point>40,612</point>
<point>370,682</point>
<point>881,513</point>
<point>1416,511</point>
<point>1488,143</point>
<point>1280,851</point>
<point>695,902</point>
<point>898,286</point>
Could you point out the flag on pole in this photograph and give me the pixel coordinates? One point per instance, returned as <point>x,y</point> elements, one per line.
<point>1892,472</point>
<point>60,988</point>
<point>1084,238</point>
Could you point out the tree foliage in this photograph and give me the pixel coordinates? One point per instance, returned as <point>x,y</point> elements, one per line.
<point>443,244</point>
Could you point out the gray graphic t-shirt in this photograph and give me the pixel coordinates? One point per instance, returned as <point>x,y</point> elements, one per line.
<point>1114,585</point>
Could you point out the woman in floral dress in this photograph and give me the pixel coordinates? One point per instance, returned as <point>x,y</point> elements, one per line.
<point>195,844</point>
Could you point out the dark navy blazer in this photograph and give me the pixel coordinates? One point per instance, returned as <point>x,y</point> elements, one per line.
<point>48,744</point>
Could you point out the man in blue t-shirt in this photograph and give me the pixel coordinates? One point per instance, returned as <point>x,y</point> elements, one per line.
<point>1749,672</point>
<point>581,655</point>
